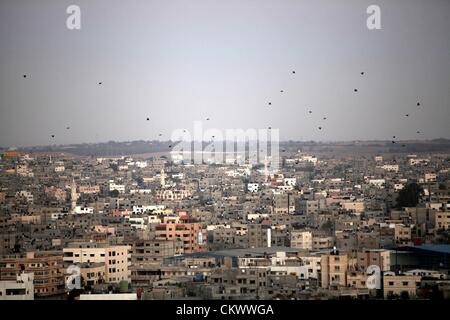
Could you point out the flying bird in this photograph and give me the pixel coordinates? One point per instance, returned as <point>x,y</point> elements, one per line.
<point>310,111</point>
<point>293,72</point>
<point>393,137</point>
<point>281,91</point>
<point>67,128</point>
<point>320,128</point>
<point>362,73</point>
<point>148,119</point>
<point>207,119</point>
<point>393,141</point>
<point>418,104</point>
<point>355,90</point>
<point>100,83</point>
<point>270,103</point>
<point>407,115</point>
<point>324,118</point>
<point>24,75</point>
<point>53,135</point>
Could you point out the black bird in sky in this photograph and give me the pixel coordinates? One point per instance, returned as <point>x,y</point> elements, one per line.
<point>281,91</point>
<point>393,141</point>
<point>148,119</point>
<point>320,128</point>
<point>100,83</point>
<point>207,119</point>
<point>355,90</point>
<point>293,72</point>
<point>67,128</point>
<point>393,137</point>
<point>324,118</point>
<point>270,103</point>
<point>24,75</point>
<point>407,115</point>
<point>53,135</point>
<point>362,73</point>
<point>310,111</point>
<point>418,104</point>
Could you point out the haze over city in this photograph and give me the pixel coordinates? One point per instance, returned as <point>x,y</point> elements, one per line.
<point>175,62</point>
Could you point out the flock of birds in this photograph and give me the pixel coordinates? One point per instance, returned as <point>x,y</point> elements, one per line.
<point>269,103</point>
<point>355,90</point>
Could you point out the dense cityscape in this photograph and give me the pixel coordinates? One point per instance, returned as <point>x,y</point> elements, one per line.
<point>326,225</point>
<point>217,159</point>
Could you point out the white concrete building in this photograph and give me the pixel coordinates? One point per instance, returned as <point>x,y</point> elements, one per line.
<point>115,258</point>
<point>20,289</point>
<point>252,187</point>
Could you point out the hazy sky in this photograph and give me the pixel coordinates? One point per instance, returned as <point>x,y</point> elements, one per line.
<point>177,61</point>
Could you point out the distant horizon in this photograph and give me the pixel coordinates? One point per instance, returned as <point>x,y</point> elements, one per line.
<point>5,148</point>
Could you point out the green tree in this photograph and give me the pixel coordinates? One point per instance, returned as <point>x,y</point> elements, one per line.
<point>327,226</point>
<point>409,196</point>
<point>114,193</point>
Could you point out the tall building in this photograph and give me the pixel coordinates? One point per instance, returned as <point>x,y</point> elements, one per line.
<point>192,235</point>
<point>73,195</point>
<point>116,258</point>
<point>163,178</point>
<point>334,268</point>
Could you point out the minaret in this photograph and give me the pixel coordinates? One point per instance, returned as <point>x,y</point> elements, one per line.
<point>73,195</point>
<point>266,169</point>
<point>163,178</point>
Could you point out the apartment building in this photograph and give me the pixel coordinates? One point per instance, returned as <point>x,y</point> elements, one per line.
<point>20,289</point>
<point>400,284</point>
<point>116,258</point>
<point>259,235</point>
<point>192,235</point>
<point>334,267</point>
<point>442,220</point>
<point>47,270</point>
<point>378,257</point>
<point>301,239</point>
<point>154,251</point>
<point>402,234</point>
